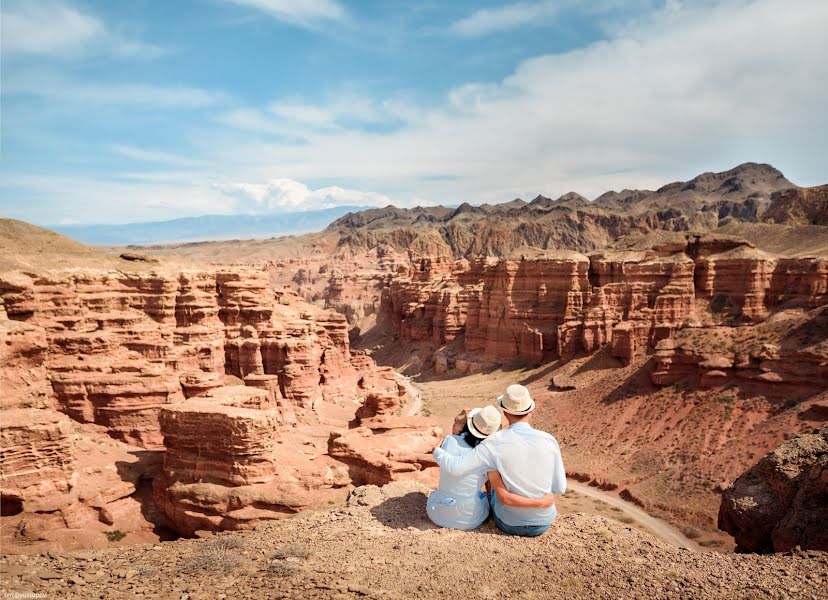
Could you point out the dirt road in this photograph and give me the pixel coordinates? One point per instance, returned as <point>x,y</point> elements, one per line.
<point>659,528</point>
<point>414,407</point>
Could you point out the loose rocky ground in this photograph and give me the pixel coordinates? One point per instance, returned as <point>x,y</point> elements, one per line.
<point>383,546</point>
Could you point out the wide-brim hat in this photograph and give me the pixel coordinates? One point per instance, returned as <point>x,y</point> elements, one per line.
<point>483,422</point>
<point>516,401</point>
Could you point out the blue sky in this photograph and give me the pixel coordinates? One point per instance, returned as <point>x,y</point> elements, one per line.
<point>147,110</point>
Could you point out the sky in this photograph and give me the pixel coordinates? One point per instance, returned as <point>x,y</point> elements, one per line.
<point>117,112</point>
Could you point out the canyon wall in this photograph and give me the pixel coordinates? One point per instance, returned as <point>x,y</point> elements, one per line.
<point>233,397</point>
<point>485,311</point>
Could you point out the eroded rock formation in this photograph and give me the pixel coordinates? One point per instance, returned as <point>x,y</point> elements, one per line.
<point>564,303</point>
<point>241,385</point>
<point>782,501</point>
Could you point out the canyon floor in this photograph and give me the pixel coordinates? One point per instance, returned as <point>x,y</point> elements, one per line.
<point>383,546</point>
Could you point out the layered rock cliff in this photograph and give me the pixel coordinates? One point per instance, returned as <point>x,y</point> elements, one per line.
<point>241,388</point>
<point>564,303</point>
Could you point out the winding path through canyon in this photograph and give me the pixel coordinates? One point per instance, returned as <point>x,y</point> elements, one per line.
<point>414,407</point>
<point>656,526</point>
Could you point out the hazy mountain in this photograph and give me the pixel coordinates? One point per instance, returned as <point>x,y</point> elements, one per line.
<point>207,227</point>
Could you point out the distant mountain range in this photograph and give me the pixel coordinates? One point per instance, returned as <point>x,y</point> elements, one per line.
<point>207,227</point>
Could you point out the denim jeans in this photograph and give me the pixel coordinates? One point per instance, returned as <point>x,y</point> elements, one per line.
<point>523,530</point>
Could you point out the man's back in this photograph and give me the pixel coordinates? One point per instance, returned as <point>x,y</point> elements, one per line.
<point>529,461</point>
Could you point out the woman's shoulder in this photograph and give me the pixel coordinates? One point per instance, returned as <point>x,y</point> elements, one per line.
<point>455,442</point>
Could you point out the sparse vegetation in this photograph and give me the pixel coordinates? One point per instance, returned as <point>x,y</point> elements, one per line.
<point>292,551</point>
<point>711,543</point>
<point>217,556</point>
<point>115,536</point>
<point>146,570</point>
<point>691,532</point>
<point>280,569</point>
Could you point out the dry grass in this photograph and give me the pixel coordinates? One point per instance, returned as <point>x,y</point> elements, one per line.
<point>292,551</point>
<point>219,555</point>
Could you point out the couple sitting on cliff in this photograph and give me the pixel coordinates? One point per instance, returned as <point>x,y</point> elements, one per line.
<point>523,467</point>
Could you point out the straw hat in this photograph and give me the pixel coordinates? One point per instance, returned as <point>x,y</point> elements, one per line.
<point>483,422</point>
<point>516,400</point>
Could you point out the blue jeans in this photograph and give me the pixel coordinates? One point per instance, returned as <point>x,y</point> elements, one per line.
<point>523,530</point>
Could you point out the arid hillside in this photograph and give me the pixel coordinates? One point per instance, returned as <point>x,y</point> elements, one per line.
<point>383,546</point>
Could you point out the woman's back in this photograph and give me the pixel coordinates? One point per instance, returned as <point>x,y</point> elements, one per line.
<point>458,502</point>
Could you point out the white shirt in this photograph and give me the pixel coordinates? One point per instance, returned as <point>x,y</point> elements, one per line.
<point>528,460</point>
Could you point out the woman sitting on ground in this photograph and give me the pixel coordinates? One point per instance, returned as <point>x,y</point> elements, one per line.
<point>460,502</point>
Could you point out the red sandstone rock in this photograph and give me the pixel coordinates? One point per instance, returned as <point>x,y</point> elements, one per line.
<point>117,350</point>
<point>37,461</point>
<point>564,304</point>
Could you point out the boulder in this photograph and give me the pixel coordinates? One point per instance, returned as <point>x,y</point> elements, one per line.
<point>782,501</point>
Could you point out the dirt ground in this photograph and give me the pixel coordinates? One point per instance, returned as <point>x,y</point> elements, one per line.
<point>383,546</point>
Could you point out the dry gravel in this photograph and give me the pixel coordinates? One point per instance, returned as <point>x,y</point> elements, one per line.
<point>388,549</point>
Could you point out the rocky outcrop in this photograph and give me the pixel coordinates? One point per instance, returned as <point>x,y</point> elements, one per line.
<point>233,459</point>
<point>241,385</point>
<point>789,350</point>
<point>780,503</point>
<point>38,470</point>
<point>800,206</point>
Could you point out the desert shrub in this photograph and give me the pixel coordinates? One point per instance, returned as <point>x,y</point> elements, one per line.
<point>292,551</point>
<point>216,556</point>
<point>146,570</point>
<point>227,542</point>
<point>691,532</point>
<point>711,543</point>
<point>115,536</point>
<point>280,569</point>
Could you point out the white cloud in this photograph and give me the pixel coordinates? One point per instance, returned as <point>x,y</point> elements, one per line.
<point>82,199</point>
<point>57,29</point>
<point>46,28</point>
<point>295,119</point>
<point>688,89</point>
<point>303,12</point>
<point>153,156</point>
<point>55,87</point>
<point>160,195</point>
<point>490,20</point>
<point>692,88</point>
<point>289,195</point>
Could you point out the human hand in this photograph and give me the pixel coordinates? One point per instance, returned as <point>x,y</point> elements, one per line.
<point>459,422</point>
<point>547,500</point>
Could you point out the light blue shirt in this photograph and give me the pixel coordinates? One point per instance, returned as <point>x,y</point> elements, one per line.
<point>458,501</point>
<point>528,460</point>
